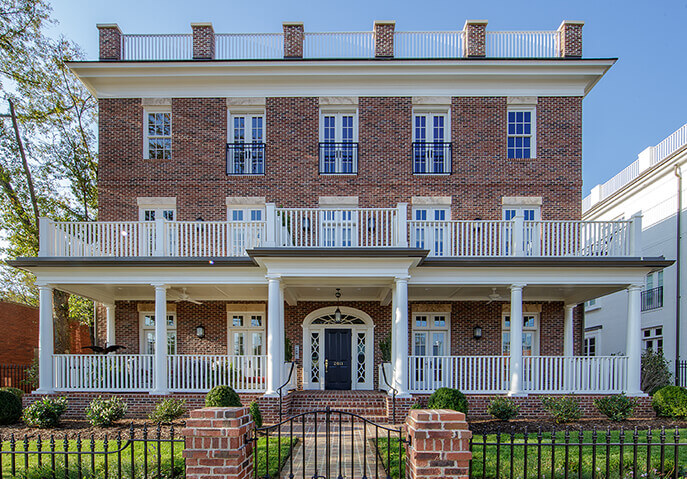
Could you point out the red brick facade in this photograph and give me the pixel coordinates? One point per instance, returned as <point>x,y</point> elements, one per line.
<point>384,39</point>
<point>481,173</point>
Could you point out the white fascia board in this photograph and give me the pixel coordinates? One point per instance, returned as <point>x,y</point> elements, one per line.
<point>318,268</point>
<point>341,78</point>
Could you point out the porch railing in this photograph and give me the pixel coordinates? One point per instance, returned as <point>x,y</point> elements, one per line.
<point>340,228</point>
<point>90,372</point>
<point>252,46</point>
<point>338,45</point>
<point>192,372</point>
<point>157,46</point>
<point>429,44</point>
<point>539,44</point>
<point>541,374</point>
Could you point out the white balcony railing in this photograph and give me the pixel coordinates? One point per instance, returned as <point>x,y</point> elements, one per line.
<point>428,44</point>
<point>541,374</point>
<point>90,372</point>
<point>251,46</point>
<point>157,47</point>
<point>341,228</point>
<point>193,372</point>
<point>339,45</point>
<point>542,44</point>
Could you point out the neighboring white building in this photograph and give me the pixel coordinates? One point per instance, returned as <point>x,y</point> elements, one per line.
<point>648,186</point>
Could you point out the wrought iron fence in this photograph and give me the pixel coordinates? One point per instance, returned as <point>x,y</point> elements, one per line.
<point>652,298</point>
<point>579,454</point>
<point>142,454</point>
<point>15,376</point>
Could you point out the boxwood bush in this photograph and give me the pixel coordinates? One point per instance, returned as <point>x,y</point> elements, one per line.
<point>255,413</point>
<point>562,409</point>
<point>168,410</point>
<point>447,398</point>
<point>45,412</point>
<point>16,391</point>
<point>10,408</point>
<point>503,408</point>
<point>222,396</point>
<point>670,401</point>
<point>616,408</point>
<point>104,412</point>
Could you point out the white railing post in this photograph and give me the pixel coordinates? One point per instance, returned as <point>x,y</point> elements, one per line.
<point>518,234</point>
<point>45,228</point>
<point>270,225</point>
<point>402,231</point>
<point>636,235</point>
<point>159,236</point>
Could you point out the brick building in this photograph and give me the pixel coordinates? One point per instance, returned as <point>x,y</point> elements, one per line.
<point>303,197</point>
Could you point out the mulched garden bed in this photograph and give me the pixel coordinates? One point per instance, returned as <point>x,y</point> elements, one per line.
<point>490,426</point>
<point>72,427</point>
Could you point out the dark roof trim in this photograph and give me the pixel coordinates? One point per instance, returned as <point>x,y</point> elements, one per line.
<point>381,252</point>
<point>658,262</point>
<point>128,262</point>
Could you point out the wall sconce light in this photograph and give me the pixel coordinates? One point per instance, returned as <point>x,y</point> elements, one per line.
<point>200,331</point>
<point>337,313</point>
<point>477,332</point>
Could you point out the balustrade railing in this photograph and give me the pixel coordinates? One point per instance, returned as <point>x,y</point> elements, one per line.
<point>212,238</point>
<point>339,45</point>
<point>462,238</point>
<point>577,238</point>
<point>193,372</point>
<point>428,44</point>
<point>484,374</point>
<point>542,44</point>
<point>157,47</point>
<point>249,46</point>
<point>95,372</point>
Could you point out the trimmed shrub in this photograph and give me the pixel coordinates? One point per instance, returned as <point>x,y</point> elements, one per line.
<point>616,408</point>
<point>447,398</point>
<point>10,408</point>
<point>562,409</point>
<point>45,412</point>
<point>416,405</point>
<point>222,396</point>
<point>17,392</point>
<point>385,348</point>
<point>670,401</point>
<point>503,408</point>
<point>255,413</point>
<point>655,371</point>
<point>104,412</point>
<point>168,410</point>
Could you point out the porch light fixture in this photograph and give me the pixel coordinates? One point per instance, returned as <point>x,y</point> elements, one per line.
<point>200,331</point>
<point>477,332</point>
<point>337,313</point>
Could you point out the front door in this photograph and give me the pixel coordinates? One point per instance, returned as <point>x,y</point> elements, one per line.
<point>337,361</point>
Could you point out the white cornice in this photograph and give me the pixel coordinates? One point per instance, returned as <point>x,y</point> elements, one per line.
<point>341,78</point>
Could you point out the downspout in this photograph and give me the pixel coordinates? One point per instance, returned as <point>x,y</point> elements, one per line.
<point>678,301</point>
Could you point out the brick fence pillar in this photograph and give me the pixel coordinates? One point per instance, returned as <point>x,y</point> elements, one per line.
<point>384,38</point>
<point>110,41</point>
<point>439,444</point>
<point>293,39</point>
<point>203,41</point>
<point>216,443</point>
<point>475,32</point>
<point>570,40</point>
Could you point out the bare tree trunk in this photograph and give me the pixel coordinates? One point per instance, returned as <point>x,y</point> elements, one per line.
<point>61,321</point>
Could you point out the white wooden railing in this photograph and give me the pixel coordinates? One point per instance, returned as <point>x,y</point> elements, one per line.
<point>428,44</point>
<point>99,238</point>
<point>115,372</point>
<point>543,44</point>
<point>251,46</point>
<point>337,228</point>
<point>461,238</point>
<point>577,238</point>
<point>339,45</point>
<point>192,372</point>
<point>541,374</point>
<point>212,238</point>
<point>157,47</point>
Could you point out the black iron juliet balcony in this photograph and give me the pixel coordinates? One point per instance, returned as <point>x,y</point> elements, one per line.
<point>245,158</point>
<point>432,158</point>
<point>652,298</point>
<point>338,158</point>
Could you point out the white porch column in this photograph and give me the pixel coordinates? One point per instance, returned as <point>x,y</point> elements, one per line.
<point>274,333</point>
<point>400,326</point>
<point>161,379</point>
<point>516,367</point>
<point>110,324</point>
<point>568,330</point>
<point>634,340</point>
<point>45,340</point>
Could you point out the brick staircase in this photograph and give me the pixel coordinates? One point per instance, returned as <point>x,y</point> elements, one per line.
<point>369,404</point>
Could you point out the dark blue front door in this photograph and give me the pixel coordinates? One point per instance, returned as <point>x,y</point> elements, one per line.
<point>337,361</point>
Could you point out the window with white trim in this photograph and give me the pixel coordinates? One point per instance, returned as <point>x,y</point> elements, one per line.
<point>652,338</point>
<point>147,331</point>
<point>521,133</point>
<point>246,333</point>
<point>530,334</point>
<point>245,228</point>
<point>528,213</point>
<point>431,334</point>
<point>338,142</point>
<point>431,145</point>
<point>157,133</point>
<point>150,213</point>
<point>430,229</point>
<point>246,148</point>
<point>590,345</point>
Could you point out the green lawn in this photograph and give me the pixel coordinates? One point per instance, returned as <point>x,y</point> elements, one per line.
<point>286,445</point>
<point>383,453</point>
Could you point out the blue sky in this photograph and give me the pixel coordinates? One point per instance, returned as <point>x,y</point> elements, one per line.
<point>639,102</point>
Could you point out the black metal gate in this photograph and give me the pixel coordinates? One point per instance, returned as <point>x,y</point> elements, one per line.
<point>328,444</point>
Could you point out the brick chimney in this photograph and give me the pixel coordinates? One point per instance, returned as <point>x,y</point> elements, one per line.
<point>203,41</point>
<point>570,41</point>
<point>384,38</point>
<point>110,41</point>
<point>475,38</point>
<point>293,39</point>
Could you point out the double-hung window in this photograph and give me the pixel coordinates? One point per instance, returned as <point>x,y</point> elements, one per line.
<point>430,230</point>
<point>338,143</point>
<point>245,225</point>
<point>157,134</point>
<point>530,334</point>
<point>147,330</point>
<point>246,147</point>
<point>431,146</point>
<point>521,133</point>
<point>652,338</point>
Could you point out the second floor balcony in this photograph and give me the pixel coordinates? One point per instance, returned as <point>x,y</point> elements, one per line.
<point>341,228</point>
